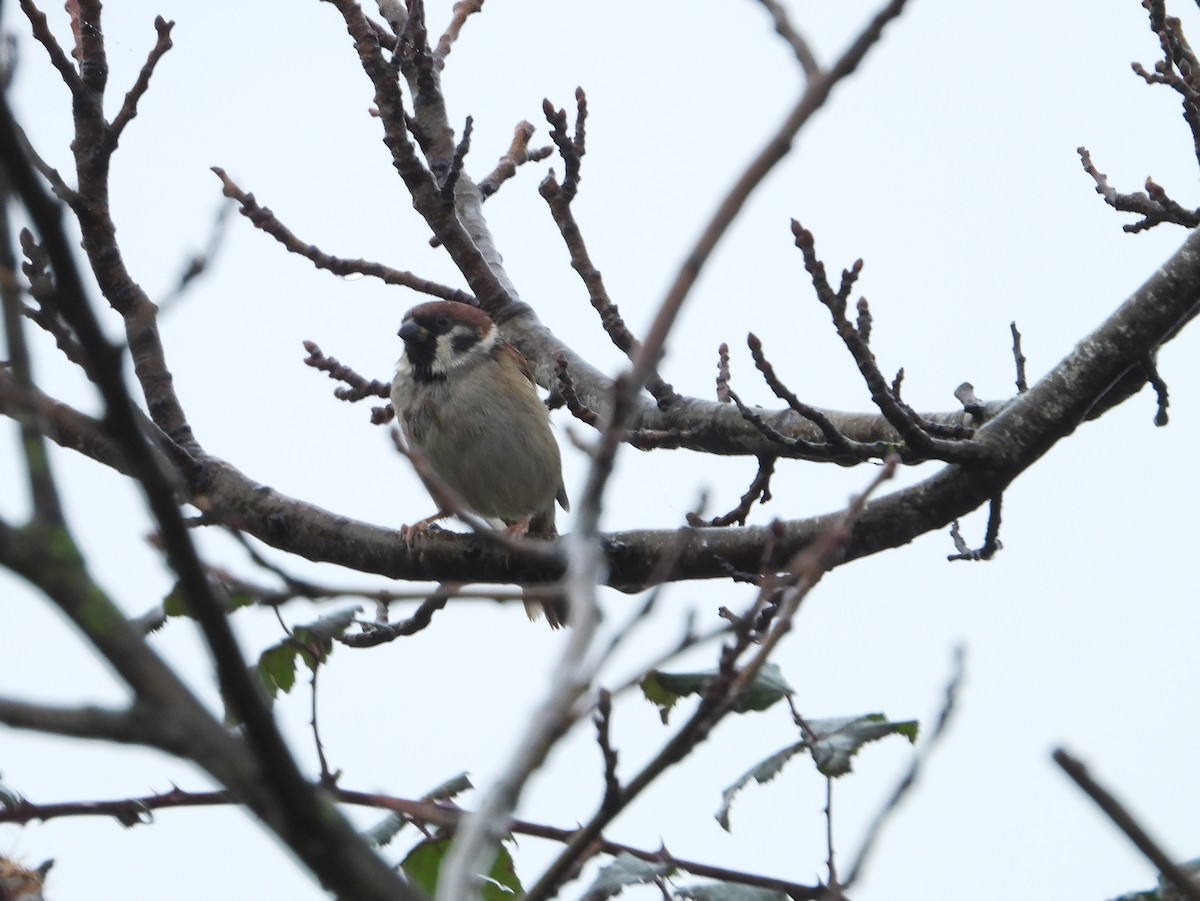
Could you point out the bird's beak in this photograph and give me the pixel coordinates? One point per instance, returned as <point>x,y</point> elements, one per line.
<point>412,333</point>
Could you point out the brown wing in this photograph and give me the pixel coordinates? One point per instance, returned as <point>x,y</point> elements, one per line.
<point>503,346</point>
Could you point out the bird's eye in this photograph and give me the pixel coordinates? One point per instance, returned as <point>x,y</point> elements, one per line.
<point>442,322</point>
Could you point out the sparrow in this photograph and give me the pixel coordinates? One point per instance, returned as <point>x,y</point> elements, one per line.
<point>465,398</point>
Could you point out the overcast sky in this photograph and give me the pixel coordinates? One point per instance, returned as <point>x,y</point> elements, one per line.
<point>948,163</point>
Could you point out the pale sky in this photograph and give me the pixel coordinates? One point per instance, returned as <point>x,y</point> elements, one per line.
<point>948,163</point>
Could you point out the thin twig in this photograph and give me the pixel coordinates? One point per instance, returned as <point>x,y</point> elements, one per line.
<point>787,31</point>
<point>1159,384</point>
<point>463,10</point>
<point>816,92</point>
<point>724,690</point>
<point>1018,359</point>
<point>263,219</point>
<point>200,262</point>
<point>425,811</point>
<point>921,435</point>
<point>991,540</point>
<point>517,155</point>
<point>358,386</point>
<point>129,108</point>
<point>759,490</point>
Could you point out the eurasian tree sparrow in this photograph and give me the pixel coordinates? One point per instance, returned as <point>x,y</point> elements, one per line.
<point>464,397</point>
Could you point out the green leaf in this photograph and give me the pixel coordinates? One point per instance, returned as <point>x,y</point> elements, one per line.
<point>664,689</point>
<point>175,603</point>
<point>384,831</point>
<point>727,891</point>
<point>423,865</point>
<point>835,742</point>
<point>451,788</point>
<point>838,740</point>
<point>768,687</point>
<point>316,638</point>
<point>311,643</point>
<point>656,693</point>
<point>761,772</point>
<point>277,668</point>
<point>625,870</point>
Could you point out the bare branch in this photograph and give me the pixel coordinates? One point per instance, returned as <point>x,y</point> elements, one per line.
<point>571,150</point>
<point>517,155</point>
<point>1154,206</point>
<point>263,219</point>
<point>1160,389</point>
<point>991,541</point>
<point>358,386</point>
<point>759,490</point>
<point>559,201</point>
<point>917,433</point>
<point>1019,359</point>
<point>129,107</point>
<point>456,164</point>
<point>42,33</point>
<point>463,10</point>
<point>839,445</point>
<point>566,390</point>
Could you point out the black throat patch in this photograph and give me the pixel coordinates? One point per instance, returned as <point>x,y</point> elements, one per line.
<point>420,355</point>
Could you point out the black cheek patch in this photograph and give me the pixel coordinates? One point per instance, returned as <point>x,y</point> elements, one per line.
<point>464,341</point>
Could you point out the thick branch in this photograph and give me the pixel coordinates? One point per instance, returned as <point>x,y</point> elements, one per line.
<point>1023,431</point>
<point>1016,438</point>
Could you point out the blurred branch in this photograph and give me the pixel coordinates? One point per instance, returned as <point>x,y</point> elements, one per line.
<point>1125,821</point>
<point>73,722</point>
<point>200,262</point>
<point>558,198</point>
<point>786,30</point>
<point>786,592</point>
<point>47,506</point>
<point>282,798</point>
<point>64,425</point>
<point>135,811</point>
<point>816,91</point>
<point>920,758</point>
